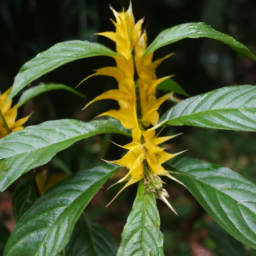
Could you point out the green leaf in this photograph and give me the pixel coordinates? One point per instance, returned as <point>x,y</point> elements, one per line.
<point>226,244</point>
<point>4,235</point>
<point>46,227</point>
<point>89,238</point>
<point>54,57</point>
<point>23,198</point>
<point>228,108</point>
<point>196,30</point>
<point>61,165</point>
<point>171,86</point>
<point>41,88</point>
<point>36,145</point>
<point>141,235</point>
<point>229,198</point>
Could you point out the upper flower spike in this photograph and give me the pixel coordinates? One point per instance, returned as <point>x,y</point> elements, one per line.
<point>144,158</point>
<point>9,114</point>
<point>127,32</point>
<point>146,69</point>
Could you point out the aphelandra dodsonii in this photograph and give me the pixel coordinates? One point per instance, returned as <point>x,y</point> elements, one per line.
<point>225,195</point>
<point>145,158</point>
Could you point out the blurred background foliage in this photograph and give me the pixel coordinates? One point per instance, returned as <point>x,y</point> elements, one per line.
<point>31,26</point>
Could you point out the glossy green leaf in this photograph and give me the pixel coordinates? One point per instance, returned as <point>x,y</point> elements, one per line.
<point>89,238</point>
<point>59,164</point>
<point>23,198</point>
<point>41,88</point>
<point>54,57</point>
<point>4,235</point>
<point>225,243</point>
<point>171,86</point>
<point>141,235</point>
<point>228,108</point>
<point>196,30</point>
<point>36,145</point>
<point>229,198</point>
<point>46,227</point>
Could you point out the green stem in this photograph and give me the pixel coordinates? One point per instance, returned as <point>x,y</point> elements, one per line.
<point>5,123</point>
<point>105,144</point>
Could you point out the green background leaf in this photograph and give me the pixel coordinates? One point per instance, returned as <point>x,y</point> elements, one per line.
<point>171,86</point>
<point>141,235</point>
<point>4,235</point>
<point>196,30</point>
<point>47,226</point>
<point>54,57</point>
<point>23,198</point>
<point>89,238</point>
<point>41,88</point>
<point>228,108</point>
<point>36,145</point>
<point>225,243</point>
<point>229,198</point>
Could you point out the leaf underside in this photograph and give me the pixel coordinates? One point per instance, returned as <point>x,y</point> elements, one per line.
<point>171,86</point>
<point>23,198</point>
<point>42,88</point>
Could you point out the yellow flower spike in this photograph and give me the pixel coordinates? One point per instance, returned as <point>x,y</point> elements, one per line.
<point>136,33</point>
<point>123,37</point>
<point>9,115</point>
<point>152,88</point>
<point>152,116</point>
<point>145,157</point>
<point>115,72</point>
<point>160,140</point>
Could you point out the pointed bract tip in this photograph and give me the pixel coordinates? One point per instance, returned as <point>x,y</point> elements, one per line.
<point>114,184</point>
<point>180,153</point>
<point>176,135</point>
<point>176,180</point>
<point>163,198</point>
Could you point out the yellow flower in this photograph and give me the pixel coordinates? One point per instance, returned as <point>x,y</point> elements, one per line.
<point>126,36</point>
<point>148,82</point>
<point>144,158</point>
<point>9,115</point>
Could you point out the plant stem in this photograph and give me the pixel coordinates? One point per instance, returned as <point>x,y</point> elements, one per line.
<point>105,144</point>
<point>5,123</point>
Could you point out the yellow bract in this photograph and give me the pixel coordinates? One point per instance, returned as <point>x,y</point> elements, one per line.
<point>145,158</point>
<point>44,184</point>
<point>148,81</point>
<point>10,115</point>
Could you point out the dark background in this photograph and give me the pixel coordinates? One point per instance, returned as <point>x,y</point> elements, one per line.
<point>28,27</point>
